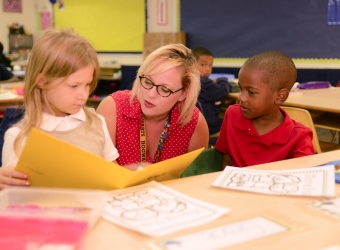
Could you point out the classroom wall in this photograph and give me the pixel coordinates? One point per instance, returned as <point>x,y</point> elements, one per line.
<point>153,25</point>
<point>162,15</point>
<point>30,8</point>
<point>27,18</point>
<point>301,29</point>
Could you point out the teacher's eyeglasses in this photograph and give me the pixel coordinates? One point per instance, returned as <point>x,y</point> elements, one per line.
<point>161,89</point>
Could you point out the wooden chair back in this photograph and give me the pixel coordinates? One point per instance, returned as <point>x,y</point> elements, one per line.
<point>303,116</point>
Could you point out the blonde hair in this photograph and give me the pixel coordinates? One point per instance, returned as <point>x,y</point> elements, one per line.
<point>57,54</point>
<point>169,57</point>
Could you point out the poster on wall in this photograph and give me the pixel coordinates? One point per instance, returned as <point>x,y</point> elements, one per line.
<point>44,20</point>
<point>11,6</point>
<point>162,12</point>
<point>333,12</point>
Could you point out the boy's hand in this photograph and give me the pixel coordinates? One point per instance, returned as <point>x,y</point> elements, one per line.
<point>11,177</point>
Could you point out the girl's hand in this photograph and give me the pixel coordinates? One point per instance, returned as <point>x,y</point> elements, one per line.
<point>11,177</point>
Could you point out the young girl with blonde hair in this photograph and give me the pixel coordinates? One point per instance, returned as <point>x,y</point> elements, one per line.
<point>61,72</point>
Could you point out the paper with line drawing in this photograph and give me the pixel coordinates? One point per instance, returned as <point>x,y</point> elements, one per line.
<point>154,209</point>
<point>304,182</point>
<point>223,236</point>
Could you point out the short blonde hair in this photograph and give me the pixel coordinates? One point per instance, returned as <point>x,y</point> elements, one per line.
<point>57,54</point>
<point>169,57</point>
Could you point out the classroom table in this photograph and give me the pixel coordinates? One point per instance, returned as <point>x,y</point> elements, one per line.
<point>310,228</point>
<point>16,102</point>
<point>324,100</point>
<point>327,100</point>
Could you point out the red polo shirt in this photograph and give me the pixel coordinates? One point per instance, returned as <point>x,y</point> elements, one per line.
<point>240,140</point>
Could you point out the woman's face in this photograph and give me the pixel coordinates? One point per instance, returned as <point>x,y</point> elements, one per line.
<point>155,106</point>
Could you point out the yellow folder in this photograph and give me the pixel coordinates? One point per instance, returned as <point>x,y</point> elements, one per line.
<point>51,162</point>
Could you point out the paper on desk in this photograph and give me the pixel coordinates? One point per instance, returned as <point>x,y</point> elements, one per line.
<point>336,165</point>
<point>7,95</point>
<point>154,209</point>
<point>223,236</point>
<point>51,162</point>
<point>330,206</point>
<point>304,182</point>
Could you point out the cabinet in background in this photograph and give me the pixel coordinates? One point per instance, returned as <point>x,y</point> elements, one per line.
<point>109,82</point>
<point>20,45</point>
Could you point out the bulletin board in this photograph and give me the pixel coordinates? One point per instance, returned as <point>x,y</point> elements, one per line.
<point>302,29</point>
<point>110,25</point>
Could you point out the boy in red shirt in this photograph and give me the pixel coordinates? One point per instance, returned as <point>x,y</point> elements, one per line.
<point>257,130</point>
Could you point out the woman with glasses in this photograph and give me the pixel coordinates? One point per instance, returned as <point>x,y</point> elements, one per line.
<point>157,119</point>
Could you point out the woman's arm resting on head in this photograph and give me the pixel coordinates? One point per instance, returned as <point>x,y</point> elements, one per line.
<point>11,177</point>
<point>200,137</point>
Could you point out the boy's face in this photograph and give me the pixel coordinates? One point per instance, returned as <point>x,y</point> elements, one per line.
<point>205,65</point>
<point>257,100</point>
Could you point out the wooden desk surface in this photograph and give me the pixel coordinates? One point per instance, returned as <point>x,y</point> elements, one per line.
<point>106,64</point>
<point>310,228</point>
<point>326,100</point>
<point>18,99</point>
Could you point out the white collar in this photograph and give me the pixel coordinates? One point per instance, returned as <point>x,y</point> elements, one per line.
<point>50,122</point>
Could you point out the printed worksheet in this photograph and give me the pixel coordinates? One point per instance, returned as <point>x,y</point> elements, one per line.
<point>155,210</point>
<point>223,236</point>
<point>330,206</point>
<point>304,182</point>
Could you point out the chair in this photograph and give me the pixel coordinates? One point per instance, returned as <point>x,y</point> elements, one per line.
<point>330,122</point>
<point>304,117</point>
<point>213,137</point>
<point>210,160</point>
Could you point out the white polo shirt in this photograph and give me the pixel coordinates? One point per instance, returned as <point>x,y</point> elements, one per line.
<point>54,123</point>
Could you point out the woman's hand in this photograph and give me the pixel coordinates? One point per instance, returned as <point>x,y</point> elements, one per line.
<point>11,177</point>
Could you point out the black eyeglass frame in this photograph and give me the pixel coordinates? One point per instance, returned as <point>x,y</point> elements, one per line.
<point>155,85</point>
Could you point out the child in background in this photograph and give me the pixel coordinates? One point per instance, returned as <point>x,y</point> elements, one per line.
<point>213,91</point>
<point>5,74</point>
<point>3,59</point>
<point>256,130</point>
<point>62,71</point>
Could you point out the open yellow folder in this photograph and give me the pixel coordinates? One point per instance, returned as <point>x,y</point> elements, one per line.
<point>51,162</point>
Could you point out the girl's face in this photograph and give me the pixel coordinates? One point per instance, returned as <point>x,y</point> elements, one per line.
<point>153,105</point>
<point>71,95</point>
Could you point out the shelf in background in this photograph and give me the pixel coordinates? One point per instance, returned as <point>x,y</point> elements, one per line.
<point>109,78</point>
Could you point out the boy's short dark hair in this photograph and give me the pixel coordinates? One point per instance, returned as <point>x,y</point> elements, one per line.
<point>278,68</point>
<point>200,51</point>
<point>1,48</point>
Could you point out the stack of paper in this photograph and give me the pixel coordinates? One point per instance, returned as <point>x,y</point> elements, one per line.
<point>305,182</point>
